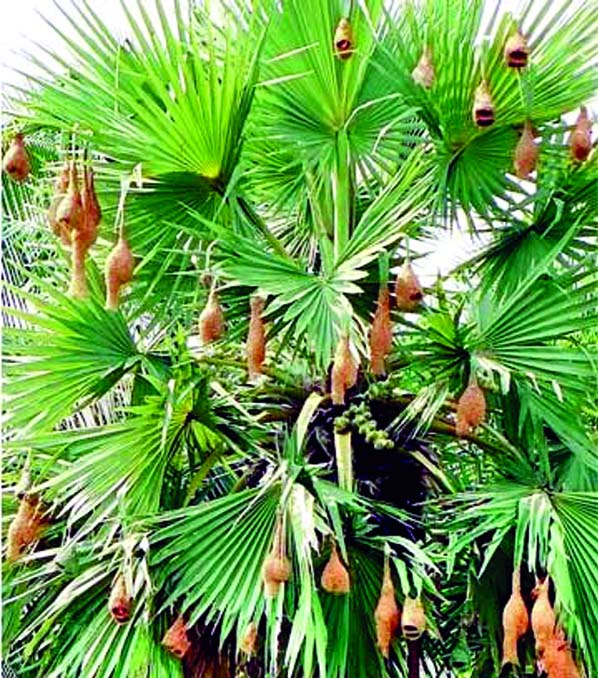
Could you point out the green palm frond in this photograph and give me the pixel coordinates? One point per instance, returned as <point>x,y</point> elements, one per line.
<point>71,351</point>
<point>132,650</point>
<point>577,527</point>
<point>149,92</point>
<point>545,407</point>
<point>465,50</point>
<point>353,653</point>
<point>19,200</point>
<point>520,332</point>
<point>565,202</point>
<point>74,596</point>
<point>230,573</point>
<point>147,95</point>
<point>123,468</point>
<point>532,321</point>
<point>391,215</point>
<point>553,532</point>
<point>311,103</point>
<point>315,94</point>
<point>315,306</point>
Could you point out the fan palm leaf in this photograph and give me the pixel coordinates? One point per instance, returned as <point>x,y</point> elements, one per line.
<point>70,351</point>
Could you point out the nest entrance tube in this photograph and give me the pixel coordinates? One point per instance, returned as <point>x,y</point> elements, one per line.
<point>119,602</point>
<point>483,107</point>
<point>176,640</point>
<point>413,622</point>
<point>343,39</point>
<point>516,51</point>
<point>16,160</point>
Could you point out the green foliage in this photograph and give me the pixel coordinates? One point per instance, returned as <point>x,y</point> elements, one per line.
<point>255,155</point>
<point>547,531</point>
<point>70,351</point>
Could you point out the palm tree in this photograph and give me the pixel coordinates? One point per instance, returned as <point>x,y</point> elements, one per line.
<point>284,166</point>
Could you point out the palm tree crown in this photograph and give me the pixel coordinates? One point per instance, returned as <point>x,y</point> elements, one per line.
<point>245,435</point>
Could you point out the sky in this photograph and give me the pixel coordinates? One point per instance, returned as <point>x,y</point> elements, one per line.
<point>25,23</point>
<point>21,23</point>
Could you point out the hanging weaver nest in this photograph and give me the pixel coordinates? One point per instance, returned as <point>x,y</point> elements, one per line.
<point>176,640</point>
<point>119,603</point>
<point>526,152</point>
<point>543,617</point>
<point>343,39</point>
<point>408,291</point>
<point>16,160</point>
<point>413,620</point>
<point>89,198</point>
<point>483,108</point>
<point>516,51</point>
<point>387,614</point>
<point>515,622</point>
<point>344,370</point>
<point>471,409</point>
<point>26,527</point>
<point>381,333</point>
<point>580,141</point>
<point>256,339</point>
<point>84,235</point>
<point>207,658</point>
<point>423,74</point>
<point>277,567</point>
<point>69,213</point>
<point>60,187</point>
<point>248,644</point>
<point>118,272</point>
<point>557,660</point>
<point>211,320</point>
<point>335,578</point>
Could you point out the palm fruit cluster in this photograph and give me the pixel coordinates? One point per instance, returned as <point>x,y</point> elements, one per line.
<point>359,418</point>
